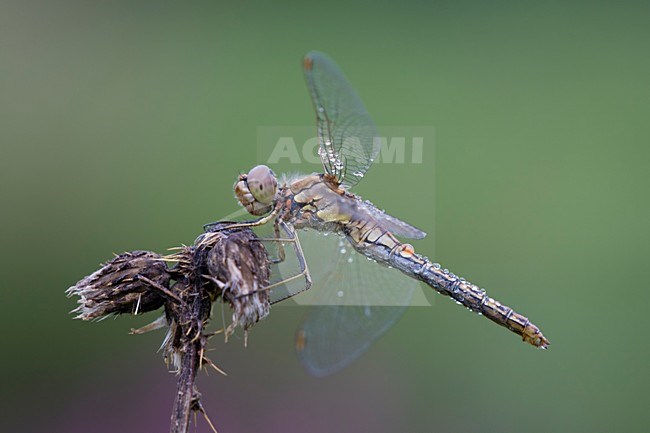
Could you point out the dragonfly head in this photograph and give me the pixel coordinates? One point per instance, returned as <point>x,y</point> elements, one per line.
<point>256,190</point>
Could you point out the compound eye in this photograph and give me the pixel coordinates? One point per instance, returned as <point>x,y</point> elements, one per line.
<point>262,183</point>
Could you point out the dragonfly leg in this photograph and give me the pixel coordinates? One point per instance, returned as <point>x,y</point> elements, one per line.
<point>280,243</point>
<point>229,225</point>
<point>210,236</point>
<point>304,269</point>
<point>280,283</point>
<point>281,255</point>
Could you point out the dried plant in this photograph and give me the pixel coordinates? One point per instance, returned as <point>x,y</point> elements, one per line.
<point>230,265</point>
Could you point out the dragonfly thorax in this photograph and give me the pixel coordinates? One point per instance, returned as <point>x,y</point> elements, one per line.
<point>256,190</point>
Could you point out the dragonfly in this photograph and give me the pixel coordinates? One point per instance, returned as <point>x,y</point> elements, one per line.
<point>348,142</point>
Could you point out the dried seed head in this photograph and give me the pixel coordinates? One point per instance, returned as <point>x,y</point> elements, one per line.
<point>229,264</point>
<point>240,262</point>
<point>119,287</point>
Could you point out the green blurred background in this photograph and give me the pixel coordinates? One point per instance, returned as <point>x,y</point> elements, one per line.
<point>123,126</point>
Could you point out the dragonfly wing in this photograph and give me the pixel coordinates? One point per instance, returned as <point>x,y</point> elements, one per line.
<point>392,224</point>
<point>348,138</point>
<point>354,302</point>
<point>332,337</point>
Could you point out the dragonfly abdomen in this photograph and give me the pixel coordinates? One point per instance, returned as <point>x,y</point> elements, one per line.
<point>387,250</point>
<point>477,300</point>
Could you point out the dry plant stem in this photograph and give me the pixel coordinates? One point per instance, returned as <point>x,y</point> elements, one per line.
<point>191,350</point>
<point>232,265</point>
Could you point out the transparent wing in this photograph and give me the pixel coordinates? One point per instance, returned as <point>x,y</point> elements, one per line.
<point>332,337</point>
<point>354,302</point>
<point>388,222</point>
<point>348,138</point>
